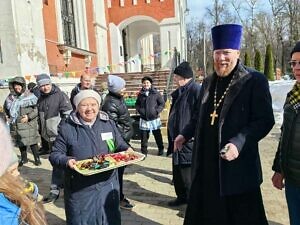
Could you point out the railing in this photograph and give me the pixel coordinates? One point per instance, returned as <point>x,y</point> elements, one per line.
<point>174,63</point>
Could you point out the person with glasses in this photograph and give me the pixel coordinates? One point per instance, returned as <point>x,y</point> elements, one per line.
<point>286,165</point>
<point>235,113</point>
<point>86,133</point>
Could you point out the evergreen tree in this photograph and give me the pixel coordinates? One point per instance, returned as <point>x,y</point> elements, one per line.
<point>247,61</point>
<point>258,63</point>
<point>269,63</point>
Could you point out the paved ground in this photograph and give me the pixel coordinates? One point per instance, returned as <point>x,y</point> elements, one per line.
<point>148,186</point>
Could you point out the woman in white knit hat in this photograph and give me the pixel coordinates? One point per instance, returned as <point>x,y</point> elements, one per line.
<point>86,133</point>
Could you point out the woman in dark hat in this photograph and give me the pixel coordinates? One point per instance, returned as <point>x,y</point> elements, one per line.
<point>150,104</point>
<point>23,113</point>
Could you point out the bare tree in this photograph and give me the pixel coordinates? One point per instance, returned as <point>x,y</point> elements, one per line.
<point>292,10</point>
<point>217,12</point>
<point>278,7</point>
<point>246,11</point>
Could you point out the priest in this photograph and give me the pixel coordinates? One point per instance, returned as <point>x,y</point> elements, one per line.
<point>235,113</point>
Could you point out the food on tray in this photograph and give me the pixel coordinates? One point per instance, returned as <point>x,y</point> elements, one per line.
<point>109,160</point>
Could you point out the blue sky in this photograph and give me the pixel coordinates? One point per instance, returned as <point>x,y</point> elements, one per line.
<point>197,8</point>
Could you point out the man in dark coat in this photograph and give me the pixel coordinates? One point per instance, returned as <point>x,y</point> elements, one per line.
<point>85,84</point>
<point>53,106</point>
<point>183,106</point>
<point>235,113</point>
<point>114,106</point>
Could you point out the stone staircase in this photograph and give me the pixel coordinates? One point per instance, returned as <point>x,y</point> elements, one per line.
<point>133,80</point>
<point>133,86</point>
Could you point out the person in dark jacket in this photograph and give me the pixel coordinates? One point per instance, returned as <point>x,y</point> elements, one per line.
<point>85,84</point>
<point>23,113</point>
<point>114,106</point>
<point>92,200</point>
<point>53,106</point>
<point>149,105</point>
<point>286,164</point>
<point>234,114</point>
<point>183,106</point>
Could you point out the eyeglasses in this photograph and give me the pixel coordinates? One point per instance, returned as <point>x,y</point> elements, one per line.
<point>294,63</point>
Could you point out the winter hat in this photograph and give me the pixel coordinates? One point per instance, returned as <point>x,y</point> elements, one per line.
<point>115,84</point>
<point>147,78</point>
<point>184,70</point>
<point>227,36</point>
<point>43,79</point>
<point>296,48</point>
<point>7,155</point>
<point>86,94</point>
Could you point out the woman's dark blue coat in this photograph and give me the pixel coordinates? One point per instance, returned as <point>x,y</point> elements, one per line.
<point>89,200</point>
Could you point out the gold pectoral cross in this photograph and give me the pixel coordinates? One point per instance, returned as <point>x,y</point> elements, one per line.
<point>213,116</point>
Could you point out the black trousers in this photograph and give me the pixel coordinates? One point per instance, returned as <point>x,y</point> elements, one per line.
<point>34,149</point>
<point>145,137</point>
<point>182,179</point>
<point>46,146</point>
<point>120,176</point>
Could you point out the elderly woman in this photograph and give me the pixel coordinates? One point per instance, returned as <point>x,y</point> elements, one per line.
<point>92,200</point>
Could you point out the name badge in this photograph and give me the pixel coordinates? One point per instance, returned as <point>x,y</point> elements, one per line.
<point>106,136</point>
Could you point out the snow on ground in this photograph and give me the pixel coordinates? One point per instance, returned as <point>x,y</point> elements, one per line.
<point>278,90</point>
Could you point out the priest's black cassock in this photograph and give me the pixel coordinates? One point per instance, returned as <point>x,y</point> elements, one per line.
<point>207,205</point>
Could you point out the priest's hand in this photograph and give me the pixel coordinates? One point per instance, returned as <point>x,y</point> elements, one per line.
<point>178,143</point>
<point>277,180</point>
<point>231,152</point>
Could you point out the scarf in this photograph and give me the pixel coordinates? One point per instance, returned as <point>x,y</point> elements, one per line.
<point>294,96</point>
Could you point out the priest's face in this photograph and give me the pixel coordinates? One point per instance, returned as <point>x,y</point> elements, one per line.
<point>295,64</point>
<point>225,60</point>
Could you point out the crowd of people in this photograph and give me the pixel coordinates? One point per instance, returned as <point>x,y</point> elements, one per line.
<point>213,134</point>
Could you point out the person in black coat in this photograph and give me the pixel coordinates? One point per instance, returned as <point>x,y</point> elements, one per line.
<point>149,105</point>
<point>183,106</point>
<point>287,160</point>
<point>53,106</point>
<point>85,84</point>
<point>114,106</point>
<point>234,114</point>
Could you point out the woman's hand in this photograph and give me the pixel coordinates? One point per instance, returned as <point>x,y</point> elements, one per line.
<point>130,149</point>
<point>24,119</point>
<point>71,163</point>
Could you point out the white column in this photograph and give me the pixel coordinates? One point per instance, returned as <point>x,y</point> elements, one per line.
<point>169,38</point>
<point>116,48</point>
<point>101,33</point>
